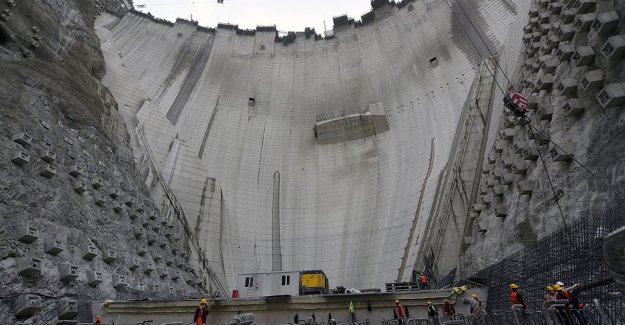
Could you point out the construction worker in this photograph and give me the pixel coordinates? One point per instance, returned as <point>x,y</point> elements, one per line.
<point>433,313</point>
<point>569,289</point>
<point>517,300</point>
<point>423,281</point>
<point>448,309</point>
<point>98,320</point>
<point>201,312</point>
<point>352,312</point>
<point>574,304</point>
<point>401,313</point>
<point>476,308</point>
<point>551,294</point>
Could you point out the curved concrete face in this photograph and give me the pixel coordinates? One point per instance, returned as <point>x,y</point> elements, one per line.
<point>229,119</point>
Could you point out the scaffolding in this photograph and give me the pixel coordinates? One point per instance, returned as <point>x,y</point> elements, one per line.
<point>569,257</point>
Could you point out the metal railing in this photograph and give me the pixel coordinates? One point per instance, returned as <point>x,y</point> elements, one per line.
<point>557,315</point>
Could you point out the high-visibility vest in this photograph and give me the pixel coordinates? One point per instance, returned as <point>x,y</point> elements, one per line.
<point>570,298</point>
<point>514,297</point>
<point>400,310</point>
<point>200,315</point>
<point>351,307</point>
<point>423,279</point>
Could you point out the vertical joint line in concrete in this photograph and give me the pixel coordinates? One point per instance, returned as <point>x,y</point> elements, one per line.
<point>276,263</point>
<point>413,228</point>
<point>208,130</point>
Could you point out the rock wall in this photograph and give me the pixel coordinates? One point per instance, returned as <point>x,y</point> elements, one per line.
<point>77,221</point>
<point>572,74</point>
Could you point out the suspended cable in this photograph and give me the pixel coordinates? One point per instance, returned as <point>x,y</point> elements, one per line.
<point>578,162</point>
<point>476,49</point>
<point>483,41</point>
<point>553,190</point>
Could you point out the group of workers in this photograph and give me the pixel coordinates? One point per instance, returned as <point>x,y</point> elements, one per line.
<point>562,300</point>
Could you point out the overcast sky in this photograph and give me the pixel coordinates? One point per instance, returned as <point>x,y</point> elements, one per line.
<point>287,15</point>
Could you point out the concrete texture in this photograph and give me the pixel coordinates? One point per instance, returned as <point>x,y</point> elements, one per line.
<point>158,155</point>
<point>343,206</point>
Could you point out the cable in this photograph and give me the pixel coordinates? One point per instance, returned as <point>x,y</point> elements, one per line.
<point>553,190</point>
<point>577,161</point>
<point>483,41</point>
<point>476,49</point>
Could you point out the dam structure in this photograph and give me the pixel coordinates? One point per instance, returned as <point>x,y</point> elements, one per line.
<point>147,164</point>
<point>313,154</point>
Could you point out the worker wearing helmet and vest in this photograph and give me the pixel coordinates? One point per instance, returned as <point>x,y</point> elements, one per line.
<point>423,281</point>
<point>352,311</point>
<point>432,312</point>
<point>517,299</point>
<point>401,313</point>
<point>201,312</point>
<point>476,307</point>
<point>98,320</point>
<point>551,294</point>
<point>574,304</point>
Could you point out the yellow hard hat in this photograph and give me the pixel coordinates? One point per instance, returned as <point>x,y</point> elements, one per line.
<point>203,301</point>
<point>429,302</point>
<point>557,287</point>
<point>474,295</point>
<point>513,286</point>
<point>549,288</point>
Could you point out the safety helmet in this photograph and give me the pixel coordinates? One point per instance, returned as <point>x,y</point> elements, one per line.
<point>560,284</point>
<point>474,295</point>
<point>429,302</point>
<point>98,317</point>
<point>204,301</point>
<point>396,301</point>
<point>549,288</point>
<point>513,286</point>
<point>446,301</point>
<point>557,287</point>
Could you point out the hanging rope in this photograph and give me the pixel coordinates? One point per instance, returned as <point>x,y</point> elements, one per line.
<point>504,93</point>
<point>476,49</point>
<point>483,41</point>
<point>553,190</point>
<point>606,183</point>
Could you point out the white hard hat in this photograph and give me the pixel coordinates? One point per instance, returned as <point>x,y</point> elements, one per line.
<point>560,283</point>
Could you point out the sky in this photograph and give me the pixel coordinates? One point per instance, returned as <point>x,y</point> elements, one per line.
<point>287,15</point>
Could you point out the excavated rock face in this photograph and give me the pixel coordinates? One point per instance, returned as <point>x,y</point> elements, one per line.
<point>64,154</point>
<point>577,127</point>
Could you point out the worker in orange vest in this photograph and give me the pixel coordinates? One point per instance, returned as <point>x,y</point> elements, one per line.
<point>98,320</point>
<point>551,294</point>
<point>423,281</point>
<point>401,313</point>
<point>517,299</point>
<point>201,312</point>
<point>574,304</point>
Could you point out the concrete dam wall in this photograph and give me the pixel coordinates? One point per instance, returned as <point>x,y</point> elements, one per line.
<point>229,119</point>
